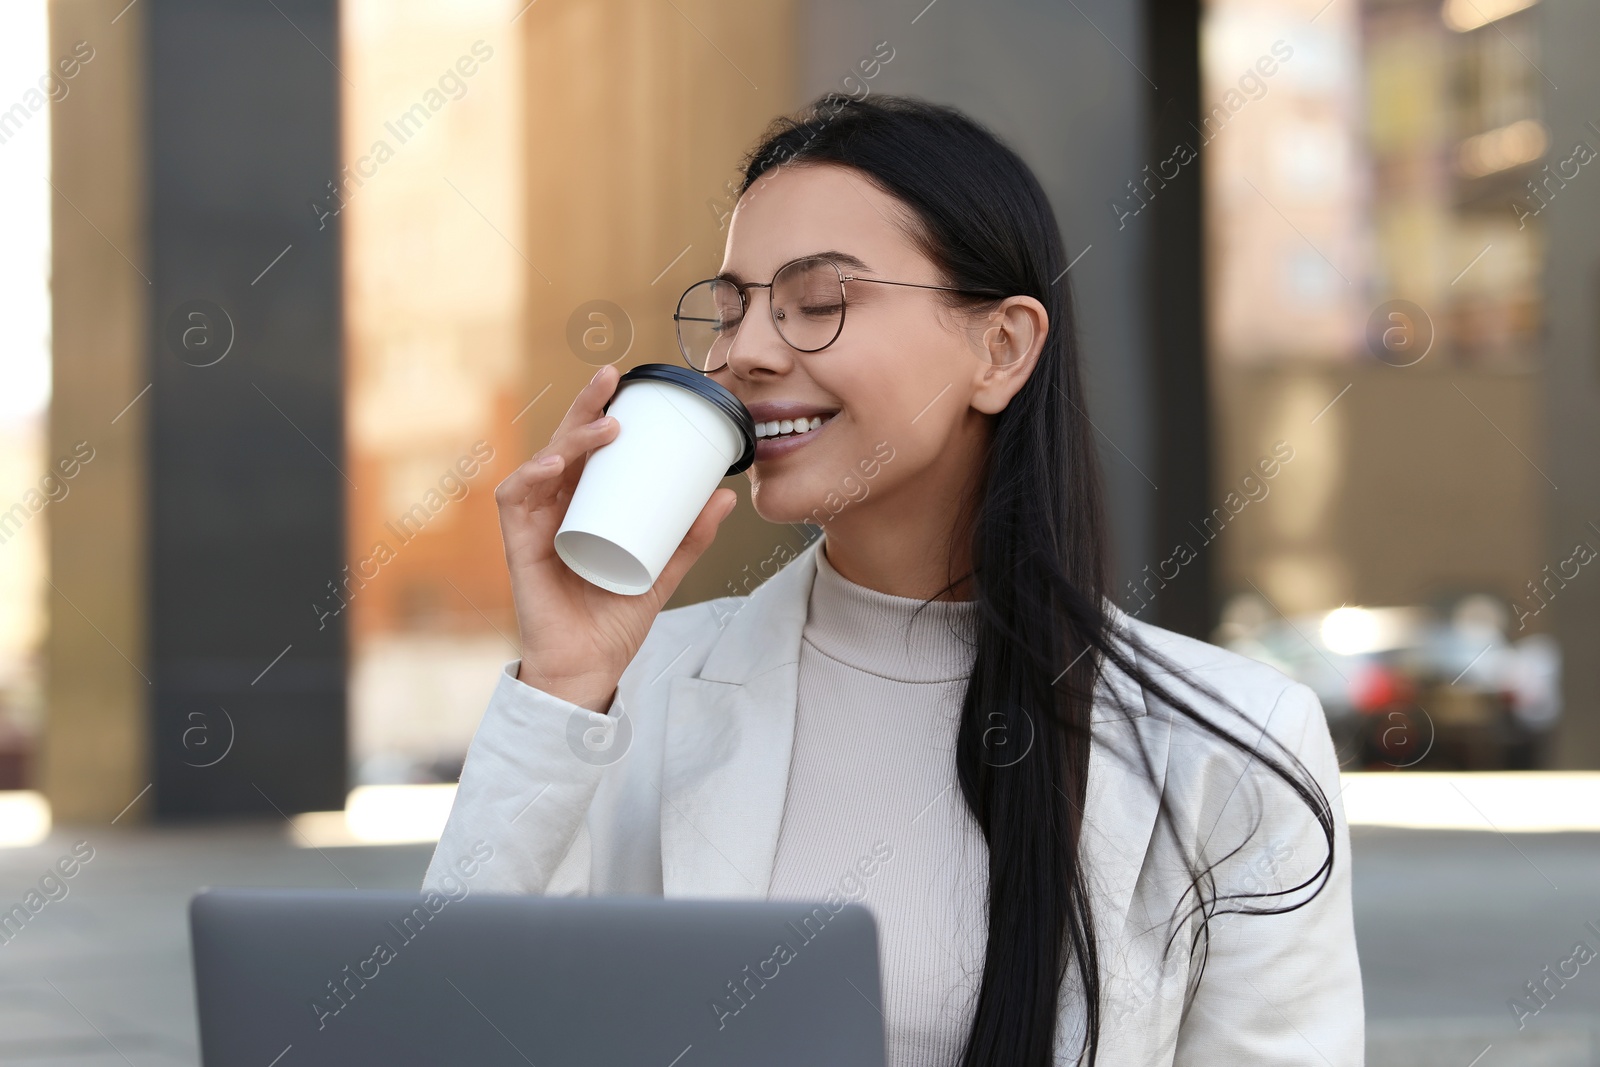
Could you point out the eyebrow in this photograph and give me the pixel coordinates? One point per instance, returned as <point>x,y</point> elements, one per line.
<point>844,259</point>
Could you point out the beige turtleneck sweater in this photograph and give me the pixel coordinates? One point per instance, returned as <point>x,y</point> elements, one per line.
<point>873,810</point>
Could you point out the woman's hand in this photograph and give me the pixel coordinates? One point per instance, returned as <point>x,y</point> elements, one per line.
<point>576,638</point>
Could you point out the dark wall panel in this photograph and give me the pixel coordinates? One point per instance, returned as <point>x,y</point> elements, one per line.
<point>1175,293</point>
<point>246,444</point>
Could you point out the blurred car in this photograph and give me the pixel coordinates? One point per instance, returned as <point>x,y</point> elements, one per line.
<point>1413,686</point>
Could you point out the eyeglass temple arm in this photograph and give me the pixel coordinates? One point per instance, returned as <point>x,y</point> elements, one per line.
<point>913,285</point>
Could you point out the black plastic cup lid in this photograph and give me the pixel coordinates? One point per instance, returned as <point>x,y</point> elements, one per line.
<point>700,385</point>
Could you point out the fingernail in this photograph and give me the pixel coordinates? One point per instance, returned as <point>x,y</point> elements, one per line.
<point>597,374</point>
<point>549,461</point>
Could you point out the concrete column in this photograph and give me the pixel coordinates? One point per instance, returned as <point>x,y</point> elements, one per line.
<point>93,758</point>
<point>1572,369</point>
<point>1066,85</point>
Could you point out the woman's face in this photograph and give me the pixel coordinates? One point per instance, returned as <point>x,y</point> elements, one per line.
<point>910,385</point>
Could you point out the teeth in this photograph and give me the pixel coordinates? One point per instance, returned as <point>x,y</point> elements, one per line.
<point>780,427</point>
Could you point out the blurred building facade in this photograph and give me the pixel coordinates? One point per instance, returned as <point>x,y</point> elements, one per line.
<point>1395,172</point>
<point>1382,314</point>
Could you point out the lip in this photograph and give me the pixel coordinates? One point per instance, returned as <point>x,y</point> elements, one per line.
<point>777,410</point>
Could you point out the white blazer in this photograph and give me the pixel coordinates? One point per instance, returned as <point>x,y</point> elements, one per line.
<point>679,791</point>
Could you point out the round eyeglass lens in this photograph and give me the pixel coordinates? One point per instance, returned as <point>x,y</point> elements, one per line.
<point>808,303</point>
<point>807,308</point>
<point>707,316</point>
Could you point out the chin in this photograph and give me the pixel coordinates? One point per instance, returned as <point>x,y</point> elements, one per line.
<point>817,490</point>
<point>779,503</point>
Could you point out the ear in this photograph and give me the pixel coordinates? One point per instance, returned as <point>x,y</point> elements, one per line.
<point>1007,346</point>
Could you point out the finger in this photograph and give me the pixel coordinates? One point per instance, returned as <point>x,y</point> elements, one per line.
<point>588,405</point>
<point>696,541</point>
<point>536,480</point>
<point>526,479</point>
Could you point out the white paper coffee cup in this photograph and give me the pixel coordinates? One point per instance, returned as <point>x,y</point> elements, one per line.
<point>679,435</point>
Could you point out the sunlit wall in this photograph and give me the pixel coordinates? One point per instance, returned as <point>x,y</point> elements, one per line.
<point>24,371</point>
<point>431,201</point>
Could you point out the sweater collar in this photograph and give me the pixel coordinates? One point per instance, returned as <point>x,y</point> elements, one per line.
<point>894,637</point>
<point>761,634</point>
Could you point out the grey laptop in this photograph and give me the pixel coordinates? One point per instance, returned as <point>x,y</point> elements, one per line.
<point>296,978</point>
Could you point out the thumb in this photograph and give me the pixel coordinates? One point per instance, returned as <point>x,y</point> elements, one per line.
<point>696,541</point>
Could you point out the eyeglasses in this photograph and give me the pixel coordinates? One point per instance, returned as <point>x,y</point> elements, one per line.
<point>807,305</point>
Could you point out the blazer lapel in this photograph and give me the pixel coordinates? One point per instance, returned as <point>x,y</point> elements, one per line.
<point>1127,773</point>
<point>729,735</point>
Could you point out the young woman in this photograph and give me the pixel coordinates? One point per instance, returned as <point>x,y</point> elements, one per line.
<point>1085,839</point>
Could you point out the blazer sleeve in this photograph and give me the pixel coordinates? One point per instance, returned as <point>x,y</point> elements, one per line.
<point>1283,989</point>
<point>524,792</point>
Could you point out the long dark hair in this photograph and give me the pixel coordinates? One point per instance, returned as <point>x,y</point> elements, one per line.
<point>1038,550</point>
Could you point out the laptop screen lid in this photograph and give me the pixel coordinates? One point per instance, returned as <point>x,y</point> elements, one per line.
<point>298,978</point>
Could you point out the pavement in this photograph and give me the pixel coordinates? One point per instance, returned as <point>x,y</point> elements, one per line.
<point>1451,925</point>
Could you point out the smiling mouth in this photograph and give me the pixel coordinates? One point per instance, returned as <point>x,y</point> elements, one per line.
<point>777,430</point>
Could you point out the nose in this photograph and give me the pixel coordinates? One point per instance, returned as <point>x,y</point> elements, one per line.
<point>758,349</point>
